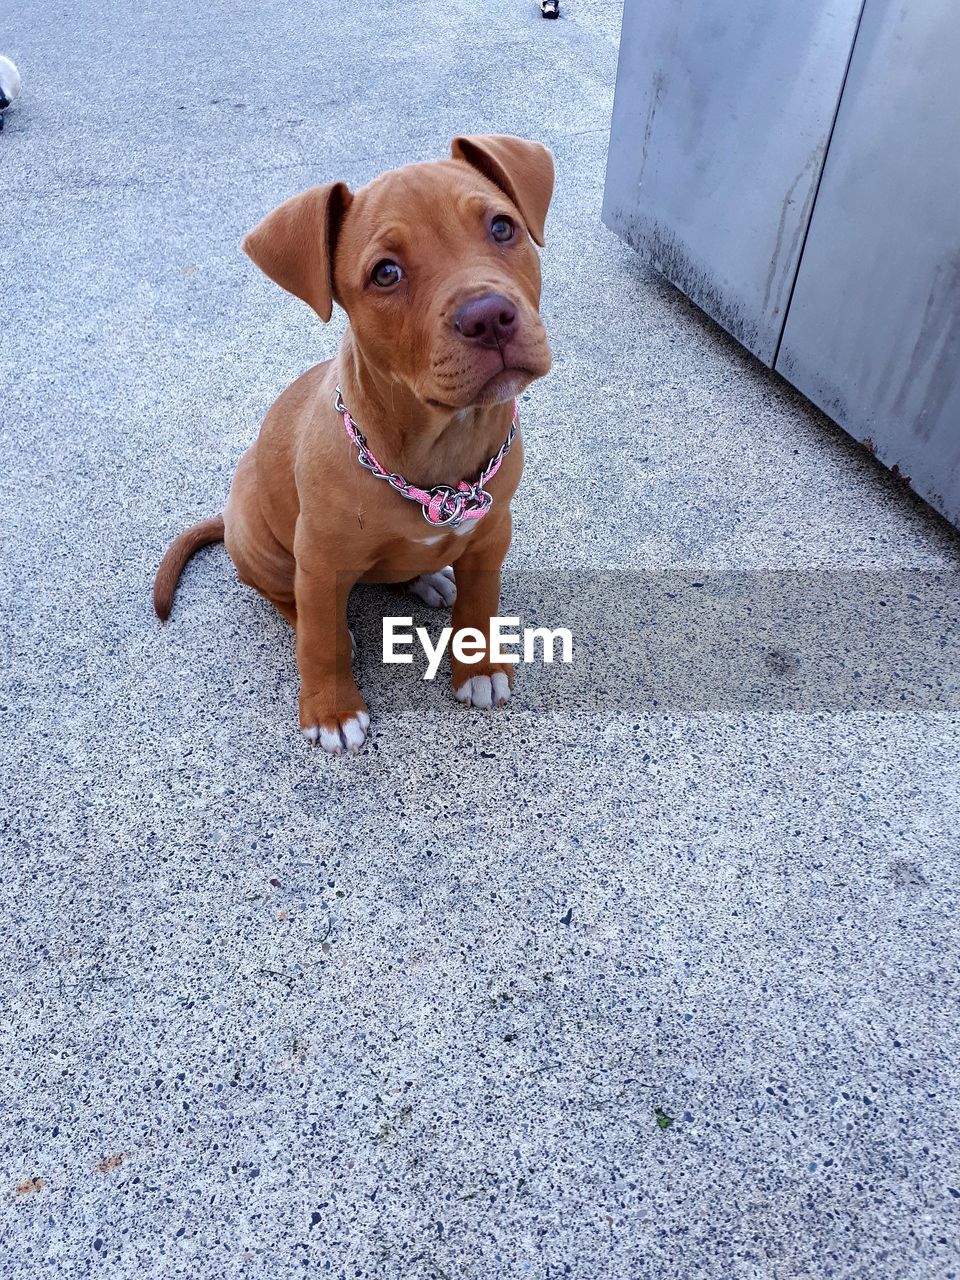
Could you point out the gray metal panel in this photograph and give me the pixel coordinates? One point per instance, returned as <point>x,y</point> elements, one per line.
<point>873,332</point>
<point>720,123</point>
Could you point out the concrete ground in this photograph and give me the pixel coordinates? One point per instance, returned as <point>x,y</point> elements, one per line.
<point>644,977</point>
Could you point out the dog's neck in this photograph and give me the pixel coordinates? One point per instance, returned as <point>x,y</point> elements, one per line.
<point>425,444</point>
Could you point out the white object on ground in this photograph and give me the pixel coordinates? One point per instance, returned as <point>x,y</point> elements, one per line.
<point>9,83</point>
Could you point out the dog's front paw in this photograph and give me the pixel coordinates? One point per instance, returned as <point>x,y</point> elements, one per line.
<point>339,730</point>
<point>486,691</point>
<point>438,590</point>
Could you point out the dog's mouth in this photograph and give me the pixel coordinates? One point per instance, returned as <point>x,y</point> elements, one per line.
<point>504,385</point>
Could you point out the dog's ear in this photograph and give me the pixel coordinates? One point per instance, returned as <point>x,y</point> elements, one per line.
<point>522,170</point>
<point>295,244</point>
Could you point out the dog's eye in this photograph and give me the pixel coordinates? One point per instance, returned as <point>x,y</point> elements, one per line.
<point>501,229</point>
<point>385,274</point>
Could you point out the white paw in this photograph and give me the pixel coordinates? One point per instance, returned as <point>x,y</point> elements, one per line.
<point>435,589</point>
<point>350,735</point>
<point>484,691</point>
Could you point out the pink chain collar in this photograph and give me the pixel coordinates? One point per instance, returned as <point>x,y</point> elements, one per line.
<point>441,505</point>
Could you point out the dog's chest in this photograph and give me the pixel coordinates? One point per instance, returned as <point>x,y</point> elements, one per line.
<point>410,557</point>
<point>433,539</point>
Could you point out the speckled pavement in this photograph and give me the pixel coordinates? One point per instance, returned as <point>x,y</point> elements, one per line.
<point>644,977</point>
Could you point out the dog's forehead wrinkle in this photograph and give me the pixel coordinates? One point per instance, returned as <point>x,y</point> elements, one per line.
<point>436,193</point>
<point>389,237</point>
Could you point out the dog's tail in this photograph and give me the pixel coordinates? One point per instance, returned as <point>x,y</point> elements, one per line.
<point>171,566</point>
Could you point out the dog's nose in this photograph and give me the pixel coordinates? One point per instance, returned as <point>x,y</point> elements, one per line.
<point>489,320</point>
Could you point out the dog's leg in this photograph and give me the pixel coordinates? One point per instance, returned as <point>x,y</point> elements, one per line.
<point>289,611</point>
<point>332,713</point>
<point>438,590</point>
<point>483,683</point>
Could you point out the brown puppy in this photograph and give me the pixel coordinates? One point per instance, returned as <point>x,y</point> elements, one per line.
<point>434,265</point>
